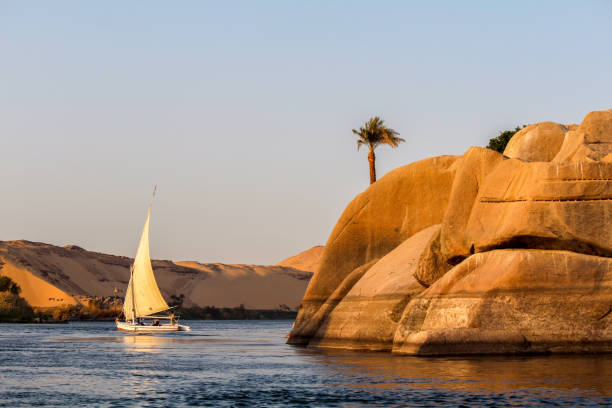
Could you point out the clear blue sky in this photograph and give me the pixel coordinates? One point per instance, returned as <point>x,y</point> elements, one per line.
<point>242,111</point>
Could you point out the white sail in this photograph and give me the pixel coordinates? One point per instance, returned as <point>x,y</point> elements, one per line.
<point>143,296</point>
<point>128,305</point>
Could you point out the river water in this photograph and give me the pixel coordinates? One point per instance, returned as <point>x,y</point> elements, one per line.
<point>246,363</point>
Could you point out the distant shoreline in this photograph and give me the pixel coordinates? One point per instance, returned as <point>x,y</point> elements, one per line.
<point>196,313</point>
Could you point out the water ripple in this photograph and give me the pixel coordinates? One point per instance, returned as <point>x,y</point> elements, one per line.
<point>246,363</point>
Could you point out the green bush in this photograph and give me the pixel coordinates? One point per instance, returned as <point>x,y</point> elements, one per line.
<point>500,142</point>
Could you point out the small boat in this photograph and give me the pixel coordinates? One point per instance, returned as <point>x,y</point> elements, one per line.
<point>144,305</point>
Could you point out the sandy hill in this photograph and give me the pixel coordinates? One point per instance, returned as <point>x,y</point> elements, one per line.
<point>305,261</point>
<point>51,276</point>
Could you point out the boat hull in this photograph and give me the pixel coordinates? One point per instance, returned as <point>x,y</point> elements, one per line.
<point>129,327</point>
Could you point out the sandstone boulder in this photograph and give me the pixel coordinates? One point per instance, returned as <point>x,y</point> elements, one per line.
<point>520,263</point>
<point>591,141</point>
<point>477,163</point>
<point>544,206</point>
<point>367,316</point>
<point>391,210</point>
<point>538,142</point>
<point>513,301</point>
<point>452,245</point>
<point>597,126</point>
<point>303,333</point>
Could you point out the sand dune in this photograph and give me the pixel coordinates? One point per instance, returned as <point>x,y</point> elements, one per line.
<point>51,276</point>
<point>305,261</point>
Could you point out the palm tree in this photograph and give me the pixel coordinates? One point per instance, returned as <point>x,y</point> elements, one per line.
<point>373,134</point>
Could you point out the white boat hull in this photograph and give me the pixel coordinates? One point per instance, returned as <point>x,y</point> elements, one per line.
<point>147,329</point>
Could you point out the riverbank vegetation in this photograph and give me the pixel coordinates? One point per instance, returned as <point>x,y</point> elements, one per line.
<point>13,308</point>
<point>283,312</point>
<point>234,313</point>
<point>93,312</point>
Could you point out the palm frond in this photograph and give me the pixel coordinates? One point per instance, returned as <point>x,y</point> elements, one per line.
<point>390,137</point>
<point>375,133</point>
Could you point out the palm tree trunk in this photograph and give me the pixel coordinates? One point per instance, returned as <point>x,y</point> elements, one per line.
<point>372,161</point>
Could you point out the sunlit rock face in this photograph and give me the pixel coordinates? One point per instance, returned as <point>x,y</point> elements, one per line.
<point>374,223</point>
<point>539,142</point>
<point>500,254</point>
<point>513,301</point>
<point>368,314</point>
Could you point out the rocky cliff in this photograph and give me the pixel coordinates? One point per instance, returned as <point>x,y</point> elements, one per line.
<point>51,276</point>
<point>479,253</point>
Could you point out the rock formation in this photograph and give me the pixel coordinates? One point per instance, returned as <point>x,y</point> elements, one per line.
<point>539,142</point>
<point>483,253</point>
<point>51,276</point>
<point>373,224</point>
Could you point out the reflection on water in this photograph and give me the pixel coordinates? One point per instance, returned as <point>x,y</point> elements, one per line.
<point>160,343</point>
<point>591,374</point>
<point>148,343</point>
<point>233,363</point>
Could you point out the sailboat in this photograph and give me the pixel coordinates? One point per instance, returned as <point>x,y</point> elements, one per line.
<point>144,305</point>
